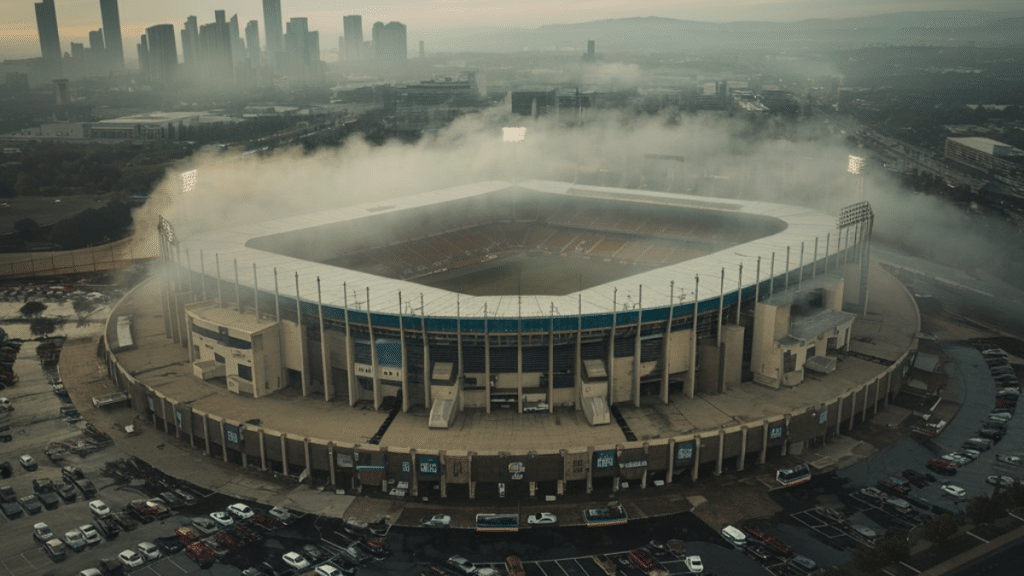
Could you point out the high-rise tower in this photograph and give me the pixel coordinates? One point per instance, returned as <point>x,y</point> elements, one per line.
<point>112,33</point>
<point>49,37</point>
<point>353,37</point>
<point>272,28</point>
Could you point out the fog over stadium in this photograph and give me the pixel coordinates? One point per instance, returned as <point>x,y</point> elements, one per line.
<point>723,158</point>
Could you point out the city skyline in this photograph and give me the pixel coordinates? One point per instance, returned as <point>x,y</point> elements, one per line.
<point>76,18</point>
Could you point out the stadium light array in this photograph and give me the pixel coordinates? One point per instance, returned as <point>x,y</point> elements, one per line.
<point>513,134</point>
<point>855,214</point>
<point>189,180</point>
<point>855,165</point>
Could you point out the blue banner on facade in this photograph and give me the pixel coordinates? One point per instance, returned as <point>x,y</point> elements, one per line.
<point>684,452</point>
<point>428,465</point>
<point>232,436</point>
<point>776,433</point>
<point>604,459</point>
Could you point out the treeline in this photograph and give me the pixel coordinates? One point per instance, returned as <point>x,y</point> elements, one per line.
<point>92,226</point>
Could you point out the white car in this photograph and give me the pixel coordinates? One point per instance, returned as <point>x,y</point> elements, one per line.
<point>972,454</point>
<point>74,540</point>
<point>222,518</point>
<point>295,560</point>
<point>241,510</point>
<point>28,462</point>
<point>99,508</point>
<point>280,513</point>
<point>1005,459</point>
<point>327,570</point>
<point>130,559</point>
<point>90,534</point>
<point>694,564</point>
<point>462,565</point>
<point>542,518</point>
<point>1003,481</point>
<point>957,459</point>
<point>439,520</point>
<point>149,550</point>
<point>953,491</point>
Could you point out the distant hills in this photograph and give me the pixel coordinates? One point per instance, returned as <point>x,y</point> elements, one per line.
<point>658,34</point>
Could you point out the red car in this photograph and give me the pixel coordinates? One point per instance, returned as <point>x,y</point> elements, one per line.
<point>941,466</point>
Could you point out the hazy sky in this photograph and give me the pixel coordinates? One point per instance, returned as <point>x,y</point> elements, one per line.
<point>18,36</point>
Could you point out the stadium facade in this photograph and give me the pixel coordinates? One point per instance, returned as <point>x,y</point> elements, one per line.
<point>697,296</point>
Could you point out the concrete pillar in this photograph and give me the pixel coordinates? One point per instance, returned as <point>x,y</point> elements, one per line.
<point>375,367</point>
<point>691,377</point>
<point>206,433</point>
<point>163,412</point>
<point>309,465</point>
<point>551,361</point>
<point>560,487</point>
<point>590,469</point>
<point>223,441</point>
<point>426,355</point>
<point>742,460</point>
<point>636,348</point>
<point>487,366</point>
<point>325,352</point>
<point>405,362</point>
<point>764,443</point>
<point>616,484</point>
<point>695,467</point>
<point>245,455</point>
<point>721,451</point>
<point>533,488</point>
<point>519,361</point>
<point>444,474</point>
<point>664,343</point>
<point>785,442</point>
<point>671,461</point>
<point>578,384</point>
<point>263,450</point>
<point>284,454</point>
<point>302,339</point>
<point>853,409</point>
<point>721,305</point>
<point>864,408</point>
<point>330,464</point>
<point>611,347</point>
<point>839,416</point>
<point>414,481</point>
<point>350,361</point>
<point>888,388</point>
<point>874,406</point>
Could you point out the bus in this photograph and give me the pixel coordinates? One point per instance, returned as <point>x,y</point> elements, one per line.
<point>497,522</point>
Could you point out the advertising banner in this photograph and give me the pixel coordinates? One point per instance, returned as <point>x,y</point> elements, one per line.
<point>232,436</point>
<point>428,467</point>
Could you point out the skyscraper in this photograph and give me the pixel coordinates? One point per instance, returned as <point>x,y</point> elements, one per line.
<point>391,42</point>
<point>272,28</point>
<point>49,37</point>
<point>162,57</point>
<point>190,44</point>
<point>252,42</point>
<point>302,51</point>
<point>375,31</point>
<point>96,43</point>
<point>237,45</point>
<point>112,33</point>
<point>353,37</point>
<point>215,53</point>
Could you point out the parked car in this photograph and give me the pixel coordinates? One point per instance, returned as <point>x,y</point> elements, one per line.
<point>1007,459</point>
<point>55,549</point>
<point>107,527</point>
<point>11,510</point>
<point>130,559</point>
<point>542,518</point>
<point>148,550</point>
<point>91,535</point>
<point>5,469</point>
<point>31,504</point>
<point>313,552</point>
<point>970,453</point>
<point>40,485</point>
<point>222,518</point>
<point>71,473</point>
<point>981,444</point>
<point>694,564</point>
<point>205,525</point>
<point>894,485</point>
<point>49,500</point>
<point>41,532</point>
<point>65,491</point>
<point>241,510</point>
<point>75,540</point>
<point>99,508</point>
<point>953,491</point>
<point>941,466</point>
<point>735,536</point>
<point>872,493</point>
<point>295,560</point>
<point>281,514</point>
<point>1002,481</point>
<point>28,462</point>
<point>917,478</point>
<point>462,565</point>
<point>439,521</point>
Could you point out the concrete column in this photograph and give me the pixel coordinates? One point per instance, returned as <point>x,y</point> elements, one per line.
<point>888,388</point>
<point>590,469</point>
<point>695,467</point>
<point>284,454</point>
<point>309,465</point>
<point>414,483</point>
<point>223,442</point>
<point>864,408</point>
<point>177,429</point>
<point>578,384</point>
<point>188,336</point>
<point>487,366</point>
<point>839,415</point>
<point>191,432</point>
<point>636,348</point>
<point>325,353</point>
<point>616,484</point>
<point>664,342</point>
<point>533,488</point>
<point>611,347</point>
<point>206,433</point>
<point>330,464</point>
<point>163,412</point>
<point>560,487</point>
<point>302,339</point>
<point>785,442</point>
<point>721,305</point>
<point>853,409</point>
<point>742,460</point>
<point>874,406</point>
<point>350,361</point>
<point>263,450</point>
<point>426,356</point>
<point>721,451</point>
<point>519,361</point>
<point>375,367</point>
<point>764,443</point>
<point>551,361</point>
<point>671,460</point>
<point>245,455</point>
<point>691,377</point>
<point>444,474</point>
<point>405,362</point>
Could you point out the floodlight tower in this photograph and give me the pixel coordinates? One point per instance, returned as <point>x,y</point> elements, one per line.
<point>515,135</point>
<point>189,181</point>
<point>861,217</point>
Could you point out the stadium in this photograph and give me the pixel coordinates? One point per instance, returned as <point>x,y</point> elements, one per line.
<point>537,337</point>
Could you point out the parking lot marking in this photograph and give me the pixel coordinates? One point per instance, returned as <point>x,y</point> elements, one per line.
<point>541,568</point>
<point>564,571</point>
<point>983,541</point>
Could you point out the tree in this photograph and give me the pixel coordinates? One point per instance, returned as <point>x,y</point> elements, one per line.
<point>32,309</point>
<point>42,326</point>
<point>890,547</point>
<point>984,508</point>
<point>83,306</point>
<point>939,528</point>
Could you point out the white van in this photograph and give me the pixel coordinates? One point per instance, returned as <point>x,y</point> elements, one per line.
<point>734,536</point>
